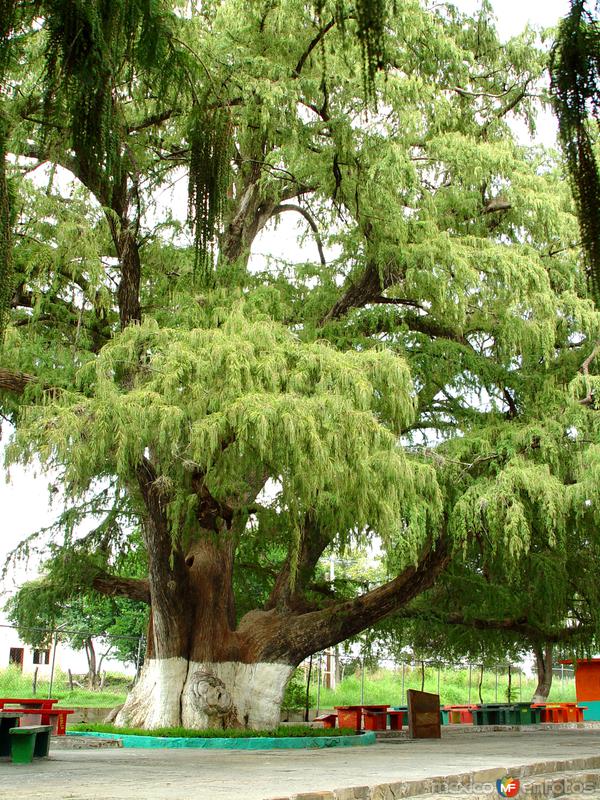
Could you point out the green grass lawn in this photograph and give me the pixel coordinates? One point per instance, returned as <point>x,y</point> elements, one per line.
<point>14,684</point>
<point>216,733</point>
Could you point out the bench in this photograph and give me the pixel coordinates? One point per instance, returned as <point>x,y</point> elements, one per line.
<point>328,720</point>
<point>395,719</point>
<point>28,742</point>
<point>560,712</point>
<point>56,717</point>
<point>374,720</point>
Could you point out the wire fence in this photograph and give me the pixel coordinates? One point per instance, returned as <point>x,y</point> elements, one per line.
<point>92,668</point>
<point>332,679</point>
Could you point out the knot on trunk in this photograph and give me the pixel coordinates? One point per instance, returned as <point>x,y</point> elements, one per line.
<point>211,697</point>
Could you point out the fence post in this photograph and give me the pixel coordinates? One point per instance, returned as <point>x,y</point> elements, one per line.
<point>470,677</point>
<point>307,703</point>
<point>402,693</point>
<point>496,671</point>
<point>319,682</point>
<point>362,681</point>
<point>55,642</point>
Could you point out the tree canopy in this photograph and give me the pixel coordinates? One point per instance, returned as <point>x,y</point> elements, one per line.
<point>428,379</point>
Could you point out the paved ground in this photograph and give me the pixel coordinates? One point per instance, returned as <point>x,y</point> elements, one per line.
<point>126,774</point>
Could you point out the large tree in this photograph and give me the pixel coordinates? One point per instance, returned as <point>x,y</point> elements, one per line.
<point>249,421</point>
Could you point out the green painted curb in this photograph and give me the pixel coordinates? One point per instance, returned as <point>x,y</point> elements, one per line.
<point>257,743</point>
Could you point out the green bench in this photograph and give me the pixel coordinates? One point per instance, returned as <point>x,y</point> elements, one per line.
<point>28,742</point>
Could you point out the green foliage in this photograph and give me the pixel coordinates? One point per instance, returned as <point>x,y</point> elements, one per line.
<point>209,178</point>
<point>575,68</point>
<point>294,698</point>
<point>6,220</point>
<point>426,380</point>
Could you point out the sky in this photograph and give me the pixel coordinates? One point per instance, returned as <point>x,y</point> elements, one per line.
<point>24,502</point>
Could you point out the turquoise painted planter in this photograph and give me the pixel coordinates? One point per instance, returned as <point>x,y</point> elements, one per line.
<point>258,743</point>
<point>592,712</point>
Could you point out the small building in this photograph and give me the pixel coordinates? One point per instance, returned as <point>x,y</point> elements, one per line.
<point>587,685</point>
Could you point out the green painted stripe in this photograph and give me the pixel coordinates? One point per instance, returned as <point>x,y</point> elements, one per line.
<point>257,743</point>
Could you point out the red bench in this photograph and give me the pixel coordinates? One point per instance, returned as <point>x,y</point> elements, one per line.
<point>396,719</point>
<point>57,717</point>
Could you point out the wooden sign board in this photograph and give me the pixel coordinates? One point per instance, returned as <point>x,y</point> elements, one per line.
<point>423,715</point>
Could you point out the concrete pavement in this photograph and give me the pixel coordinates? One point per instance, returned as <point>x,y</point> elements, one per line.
<point>127,774</point>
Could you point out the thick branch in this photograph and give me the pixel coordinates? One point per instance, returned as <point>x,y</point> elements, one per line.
<point>116,586</point>
<point>314,542</point>
<point>15,382</point>
<point>320,629</point>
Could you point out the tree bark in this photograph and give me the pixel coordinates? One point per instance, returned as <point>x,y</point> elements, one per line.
<point>204,671</point>
<point>543,660</point>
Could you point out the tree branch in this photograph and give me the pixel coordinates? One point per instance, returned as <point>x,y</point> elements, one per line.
<point>116,586</point>
<point>317,630</point>
<point>15,382</point>
<point>299,210</point>
<point>304,57</point>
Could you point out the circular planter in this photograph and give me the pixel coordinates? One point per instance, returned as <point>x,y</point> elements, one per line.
<point>249,743</point>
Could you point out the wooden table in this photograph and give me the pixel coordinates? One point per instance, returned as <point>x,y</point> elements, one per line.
<point>560,712</point>
<point>8,720</point>
<point>27,702</point>
<point>352,716</point>
<point>460,714</point>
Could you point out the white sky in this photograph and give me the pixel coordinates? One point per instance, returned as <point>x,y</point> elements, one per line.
<point>24,503</point>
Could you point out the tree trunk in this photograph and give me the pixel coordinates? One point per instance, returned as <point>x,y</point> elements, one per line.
<point>90,653</point>
<point>543,659</point>
<point>204,672</point>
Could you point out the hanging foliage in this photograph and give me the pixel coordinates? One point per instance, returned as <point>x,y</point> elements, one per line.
<point>6,262</point>
<point>87,44</point>
<point>210,158</point>
<point>371,17</point>
<point>575,69</point>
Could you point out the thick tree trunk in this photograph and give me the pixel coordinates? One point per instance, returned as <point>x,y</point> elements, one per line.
<point>203,671</point>
<point>543,659</point>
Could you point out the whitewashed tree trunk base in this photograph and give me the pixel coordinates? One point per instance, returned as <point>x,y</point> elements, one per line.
<point>173,692</point>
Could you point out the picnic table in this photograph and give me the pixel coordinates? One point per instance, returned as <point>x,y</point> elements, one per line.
<point>373,716</point>
<point>40,711</point>
<point>506,714</point>
<point>458,714</point>
<point>560,712</point>
<point>8,720</point>
<point>27,702</point>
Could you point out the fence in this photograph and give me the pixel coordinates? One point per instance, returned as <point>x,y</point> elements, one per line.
<point>337,680</point>
<point>89,668</point>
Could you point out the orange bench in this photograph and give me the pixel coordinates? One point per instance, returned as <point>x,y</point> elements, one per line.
<point>561,712</point>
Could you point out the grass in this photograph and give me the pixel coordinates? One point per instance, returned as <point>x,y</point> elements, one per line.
<point>381,686</point>
<point>215,733</point>
<point>385,686</point>
<point>13,683</point>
